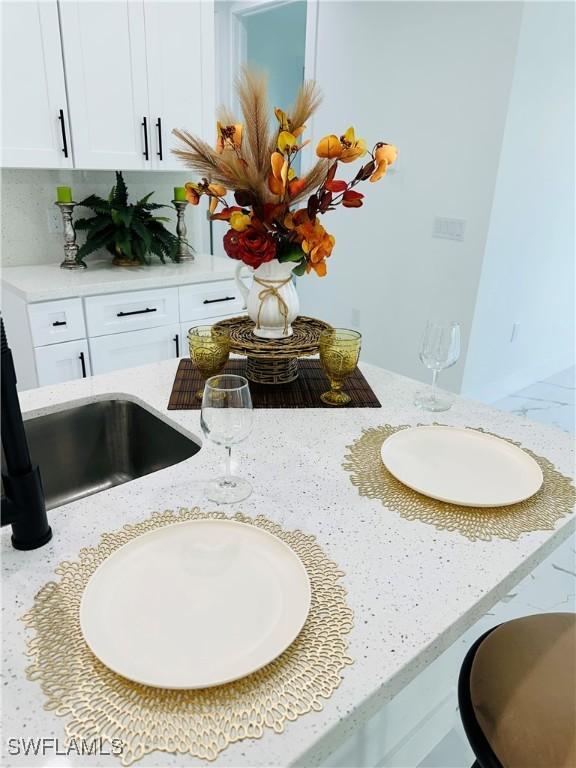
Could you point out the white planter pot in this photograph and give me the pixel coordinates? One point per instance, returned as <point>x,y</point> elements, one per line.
<point>272,302</point>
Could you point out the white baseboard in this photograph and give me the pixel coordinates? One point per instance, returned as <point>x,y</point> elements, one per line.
<point>513,382</point>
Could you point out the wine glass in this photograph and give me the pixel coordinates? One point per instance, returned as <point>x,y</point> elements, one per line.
<point>226,419</point>
<point>440,349</point>
<point>210,349</point>
<point>339,353</point>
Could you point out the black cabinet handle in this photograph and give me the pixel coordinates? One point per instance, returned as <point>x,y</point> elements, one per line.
<point>137,312</point>
<point>59,322</point>
<point>159,126</point>
<point>145,126</point>
<point>83,364</point>
<point>214,301</point>
<point>176,340</point>
<point>63,127</point>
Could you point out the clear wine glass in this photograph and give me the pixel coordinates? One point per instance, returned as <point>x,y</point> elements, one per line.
<point>440,349</point>
<point>226,419</point>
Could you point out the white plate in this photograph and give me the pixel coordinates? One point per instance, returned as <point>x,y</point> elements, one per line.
<point>461,466</point>
<point>195,604</point>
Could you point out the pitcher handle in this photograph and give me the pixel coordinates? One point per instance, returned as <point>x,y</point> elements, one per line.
<point>241,284</point>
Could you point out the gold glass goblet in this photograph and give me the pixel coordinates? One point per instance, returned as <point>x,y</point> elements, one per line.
<point>209,348</point>
<point>339,353</point>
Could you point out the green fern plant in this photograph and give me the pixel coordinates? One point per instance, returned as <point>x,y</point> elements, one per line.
<point>130,232</point>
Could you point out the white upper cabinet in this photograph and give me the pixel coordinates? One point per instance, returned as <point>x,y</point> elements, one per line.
<point>180,56</point>
<point>100,84</point>
<point>35,130</point>
<point>105,58</point>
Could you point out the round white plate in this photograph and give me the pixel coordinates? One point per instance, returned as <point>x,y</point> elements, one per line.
<point>461,466</point>
<point>195,604</point>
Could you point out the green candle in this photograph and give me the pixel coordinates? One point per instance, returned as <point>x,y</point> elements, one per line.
<point>180,194</point>
<point>64,194</point>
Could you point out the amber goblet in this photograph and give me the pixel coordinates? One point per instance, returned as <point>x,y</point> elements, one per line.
<point>209,349</point>
<point>339,353</point>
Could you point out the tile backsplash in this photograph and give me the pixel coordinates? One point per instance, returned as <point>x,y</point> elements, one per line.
<point>27,195</point>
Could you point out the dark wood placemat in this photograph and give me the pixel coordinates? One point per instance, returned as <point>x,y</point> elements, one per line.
<point>304,392</point>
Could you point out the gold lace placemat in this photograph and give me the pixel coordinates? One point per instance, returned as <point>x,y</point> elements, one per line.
<point>101,705</point>
<point>554,500</point>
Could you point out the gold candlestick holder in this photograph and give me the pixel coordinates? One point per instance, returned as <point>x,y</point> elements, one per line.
<point>184,252</point>
<point>71,247</point>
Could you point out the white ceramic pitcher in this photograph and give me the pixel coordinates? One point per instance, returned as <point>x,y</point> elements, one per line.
<point>272,302</point>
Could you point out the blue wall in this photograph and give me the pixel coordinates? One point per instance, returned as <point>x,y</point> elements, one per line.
<point>276,42</point>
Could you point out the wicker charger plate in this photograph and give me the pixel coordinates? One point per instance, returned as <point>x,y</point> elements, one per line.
<point>273,361</point>
<point>303,342</point>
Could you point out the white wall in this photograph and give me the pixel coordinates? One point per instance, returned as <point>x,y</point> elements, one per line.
<point>528,270</point>
<point>433,78</point>
<point>28,195</point>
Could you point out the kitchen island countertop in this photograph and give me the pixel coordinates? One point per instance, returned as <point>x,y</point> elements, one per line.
<point>414,589</point>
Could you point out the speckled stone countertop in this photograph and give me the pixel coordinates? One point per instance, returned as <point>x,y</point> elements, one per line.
<point>413,589</point>
<point>44,282</point>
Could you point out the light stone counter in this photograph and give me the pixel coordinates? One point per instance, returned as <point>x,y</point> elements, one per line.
<point>413,589</point>
<point>44,282</point>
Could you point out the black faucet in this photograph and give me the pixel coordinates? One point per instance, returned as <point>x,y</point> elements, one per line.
<point>23,506</point>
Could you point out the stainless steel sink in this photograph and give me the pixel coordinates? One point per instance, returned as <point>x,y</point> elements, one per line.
<point>92,447</point>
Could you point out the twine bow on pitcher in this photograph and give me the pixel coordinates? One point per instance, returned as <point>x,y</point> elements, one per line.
<point>270,289</point>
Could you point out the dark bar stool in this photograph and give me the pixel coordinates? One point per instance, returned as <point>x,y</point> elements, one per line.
<point>517,694</point>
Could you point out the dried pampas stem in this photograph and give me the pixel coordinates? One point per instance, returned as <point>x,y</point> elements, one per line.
<point>307,102</point>
<point>223,168</point>
<point>253,98</point>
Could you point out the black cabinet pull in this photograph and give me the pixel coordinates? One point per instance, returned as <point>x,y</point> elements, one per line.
<point>159,126</point>
<point>59,322</point>
<point>214,301</point>
<point>176,340</point>
<point>137,312</point>
<point>145,126</point>
<point>83,364</point>
<point>63,127</point>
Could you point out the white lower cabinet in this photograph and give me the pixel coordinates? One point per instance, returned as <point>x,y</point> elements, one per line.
<point>133,348</point>
<point>62,339</point>
<point>57,363</point>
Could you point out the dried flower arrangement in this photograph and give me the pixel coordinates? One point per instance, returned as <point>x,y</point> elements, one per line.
<point>276,213</point>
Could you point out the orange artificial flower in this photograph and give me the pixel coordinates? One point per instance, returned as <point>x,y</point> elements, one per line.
<point>295,186</point>
<point>352,148</point>
<point>239,221</point>
<point>384,155</point>
<point>329,147</point>
<point>316,243</point>
<point>286,123</point>
<point>193,192</point>
<point>319,268</point>
<point>286,141</point>
<point>228,137</point>
<point>216,189</point>
<point>347,148</point>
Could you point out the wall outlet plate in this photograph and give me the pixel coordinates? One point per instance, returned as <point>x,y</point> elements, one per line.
<point>449,229</point>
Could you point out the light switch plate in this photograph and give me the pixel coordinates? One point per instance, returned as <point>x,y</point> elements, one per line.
<point>449,229</point>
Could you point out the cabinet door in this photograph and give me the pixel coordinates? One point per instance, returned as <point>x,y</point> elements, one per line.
<point>105,57</point>
<point>127,350</point>
<point>35,129</point>
<point>180,54</point>
<point>62,362</point>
